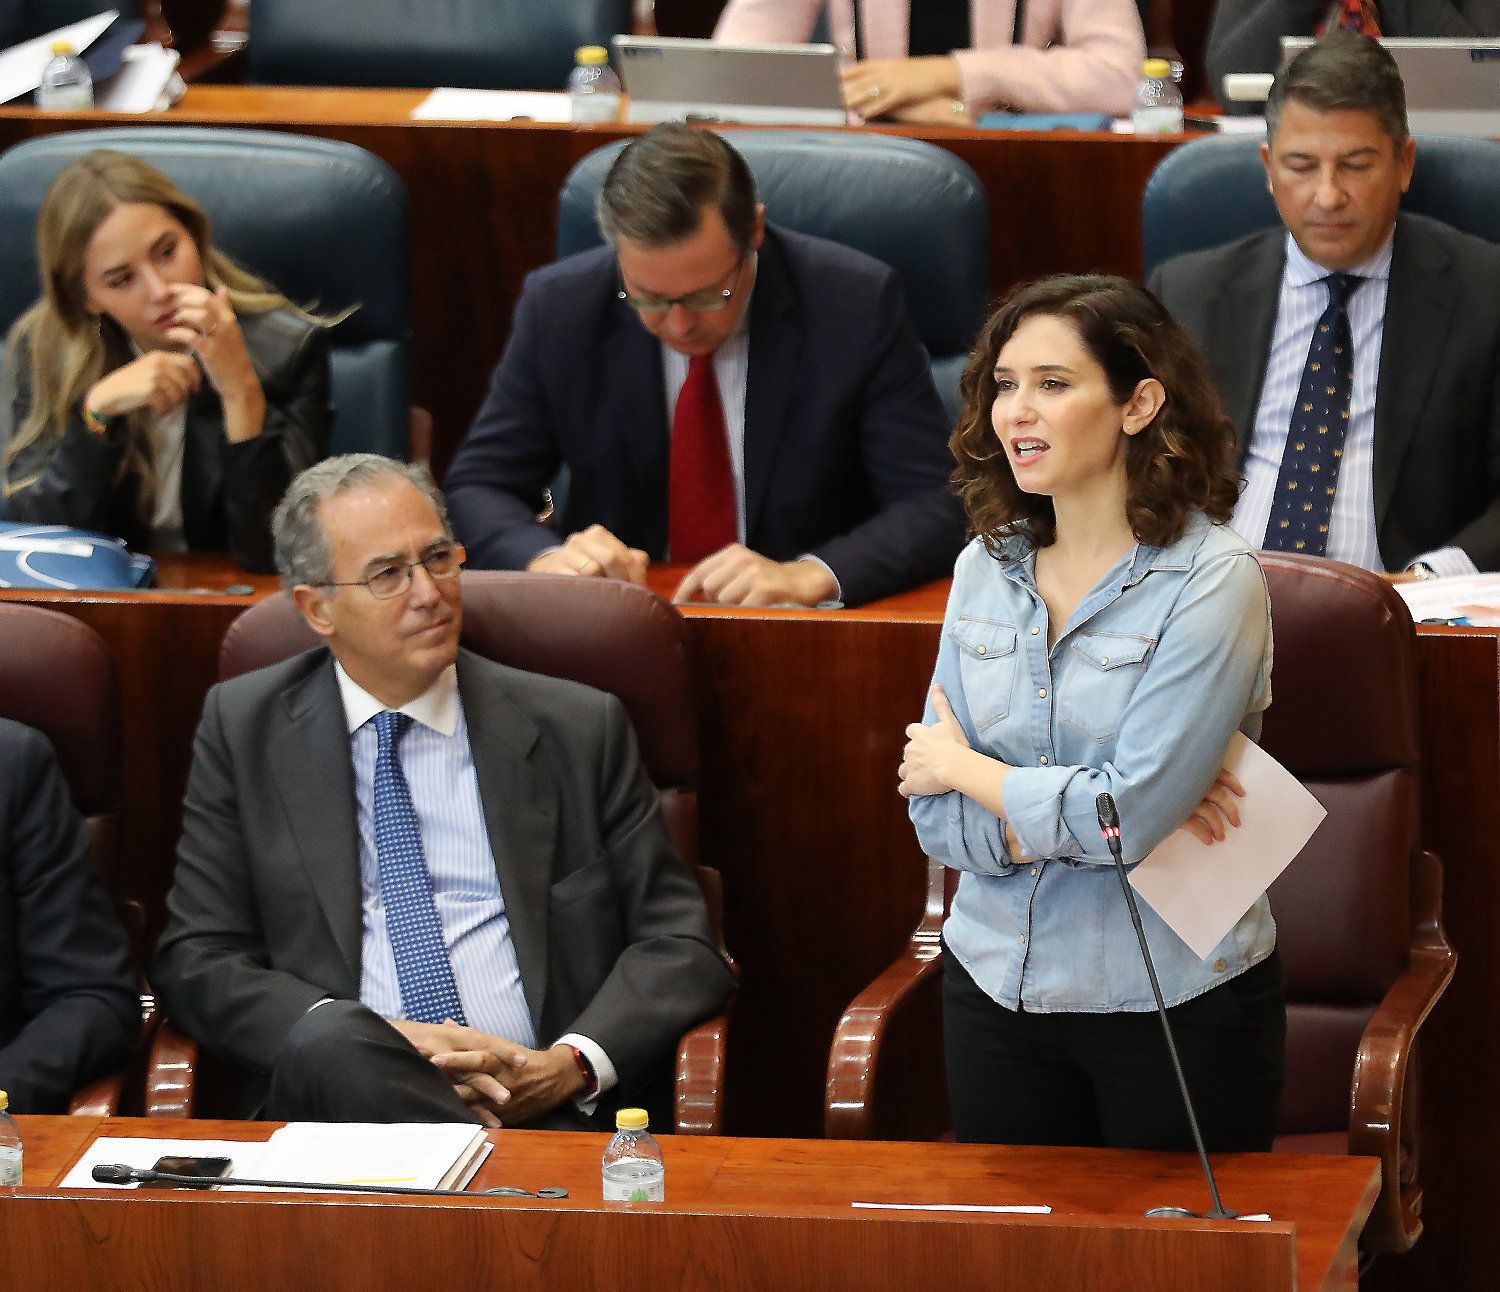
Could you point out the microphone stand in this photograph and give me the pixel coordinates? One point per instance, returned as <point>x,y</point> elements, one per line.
<point>1109,825</point>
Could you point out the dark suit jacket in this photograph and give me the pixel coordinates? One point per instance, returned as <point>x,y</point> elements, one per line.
<point>228,490</point>
<point>845,437</point>
<point>1437,401</point>
<point>264,915</point>
<point>69,1008</point>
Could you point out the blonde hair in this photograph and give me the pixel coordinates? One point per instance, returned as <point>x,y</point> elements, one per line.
<point>65,340</point>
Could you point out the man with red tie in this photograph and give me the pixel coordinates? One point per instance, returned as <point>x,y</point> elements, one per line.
<point>745,400</point>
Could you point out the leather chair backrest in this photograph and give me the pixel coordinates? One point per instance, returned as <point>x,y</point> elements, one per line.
<point>911,204</point>
<point>486,43</point>
<point>57,675</point>
<point>613,636</point>
<point>1212,191</point>
<point>326,222</point>
<point>1343,719</point>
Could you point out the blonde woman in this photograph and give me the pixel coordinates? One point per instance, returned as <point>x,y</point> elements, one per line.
<point>157,391</point>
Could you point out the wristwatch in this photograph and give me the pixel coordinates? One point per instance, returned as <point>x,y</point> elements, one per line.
<point>1422,571</point>
<point>590,1081</point>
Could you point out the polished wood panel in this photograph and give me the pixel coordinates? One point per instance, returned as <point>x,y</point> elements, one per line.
<point>740,1214</point>
<point>484,207</point>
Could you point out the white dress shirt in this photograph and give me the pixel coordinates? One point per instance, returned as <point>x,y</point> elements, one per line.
<point>1304,297</point>
<point>438,764</point>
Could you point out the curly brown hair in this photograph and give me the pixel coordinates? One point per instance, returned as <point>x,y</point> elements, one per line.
<point>1182,462</point>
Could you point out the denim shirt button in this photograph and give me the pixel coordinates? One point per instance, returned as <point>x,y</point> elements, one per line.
<point>1035,630</point>
<point>1043,760</point>
<point>1042,691</point>
<point>979,650</point>
<point>1220,965</point>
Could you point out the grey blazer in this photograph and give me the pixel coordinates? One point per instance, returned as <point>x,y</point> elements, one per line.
<point>1437,401</point>
<point>264,916</point>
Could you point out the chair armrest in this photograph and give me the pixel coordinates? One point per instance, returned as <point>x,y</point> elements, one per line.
<point>100,1098</point>
<point>1380,1100</point>
<point>170,1086</point>
<point>114,1094</point>
<point>888,1042</point>
<point>698,1100</point>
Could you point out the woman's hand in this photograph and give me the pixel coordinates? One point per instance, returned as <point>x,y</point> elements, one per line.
<point>928,762</point>
<point>1218,813</point>
<point>878,87</point>
<point>160,381</point>
<point>205,325</point>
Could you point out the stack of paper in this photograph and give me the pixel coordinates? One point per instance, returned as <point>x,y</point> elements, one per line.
<point>442,1156</point>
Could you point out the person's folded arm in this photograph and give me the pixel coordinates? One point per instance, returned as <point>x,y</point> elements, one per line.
<point>1205,674</point>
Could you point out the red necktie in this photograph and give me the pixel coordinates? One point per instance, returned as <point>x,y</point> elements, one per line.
<point>1359,16</point>
<point>701,507</point>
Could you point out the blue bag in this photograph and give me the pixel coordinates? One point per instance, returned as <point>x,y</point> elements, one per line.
<point>65,559</point>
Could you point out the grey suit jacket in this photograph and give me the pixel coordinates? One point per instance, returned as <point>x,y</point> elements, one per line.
<point>1437,401</point>
<point>264,916</point>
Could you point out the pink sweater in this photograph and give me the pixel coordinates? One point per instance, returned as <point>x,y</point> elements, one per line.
<point>1075,55</point>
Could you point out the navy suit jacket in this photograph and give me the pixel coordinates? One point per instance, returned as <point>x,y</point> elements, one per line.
<point>68,1002</point>
<point>845,436</point>
<point>1437,400</point>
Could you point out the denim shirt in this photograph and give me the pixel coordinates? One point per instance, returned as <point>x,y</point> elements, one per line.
<point>1163,660</point>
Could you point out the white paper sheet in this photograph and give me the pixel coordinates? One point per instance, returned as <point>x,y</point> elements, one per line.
<point>143,1153</point>
<point>141,82</point>
<point>21,65</point>
<point>951,1206</point>
<point>408,1155</point>
<point>448,104</point>
<point>1201,890</point>
<point>1475,597</point>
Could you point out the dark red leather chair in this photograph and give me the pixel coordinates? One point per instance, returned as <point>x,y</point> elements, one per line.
<point>59,677</point>
<point>1358,913</point>
<point>613,636</point>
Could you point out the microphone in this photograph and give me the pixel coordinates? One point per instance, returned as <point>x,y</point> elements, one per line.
<point>118,1173</point>
<point>1109,826</point>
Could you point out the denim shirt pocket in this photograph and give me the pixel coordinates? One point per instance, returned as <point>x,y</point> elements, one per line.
<point>987,668</point>
<point>1103,676</point>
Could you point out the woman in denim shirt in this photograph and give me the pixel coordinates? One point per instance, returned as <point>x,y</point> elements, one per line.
<point>1105,632</point>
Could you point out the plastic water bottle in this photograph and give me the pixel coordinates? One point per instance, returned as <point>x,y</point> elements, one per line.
<point>1158,101</point>
<point>633,1169</point>
<point>67,85</point>
<point>10,1149</point>
<point>593,87</point>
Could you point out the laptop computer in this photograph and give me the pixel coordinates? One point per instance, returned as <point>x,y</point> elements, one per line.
<point>1452,86</point>
<point>682,79</point>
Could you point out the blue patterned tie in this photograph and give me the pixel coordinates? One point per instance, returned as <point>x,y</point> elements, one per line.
<point>428,992</point>
<point>1302,507</point>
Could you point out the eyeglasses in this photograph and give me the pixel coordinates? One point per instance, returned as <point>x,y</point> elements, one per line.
<point>441,561</point>
<point>707,301</point>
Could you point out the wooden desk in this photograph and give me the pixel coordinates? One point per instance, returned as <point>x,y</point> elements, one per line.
<point>484,207</point>
<point>752,1214</point>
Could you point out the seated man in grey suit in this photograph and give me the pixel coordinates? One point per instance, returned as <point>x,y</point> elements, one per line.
<point>742,399</point>
<point>69,1008</point>
<point>413,884</point>
<point>1391,461</point>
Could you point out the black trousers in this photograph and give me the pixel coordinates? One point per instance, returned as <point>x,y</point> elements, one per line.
<point>1106,1079</point>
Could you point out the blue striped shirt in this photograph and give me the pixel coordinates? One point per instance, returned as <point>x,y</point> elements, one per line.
<point>439,768</point>
<point>1304,297</point>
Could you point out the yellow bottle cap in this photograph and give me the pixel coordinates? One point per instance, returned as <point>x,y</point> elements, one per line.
<point>631,1119</point>
<point>1156,67</point>
<point>4,1101</point>
<point>63,47</point>
<point>592,55</point>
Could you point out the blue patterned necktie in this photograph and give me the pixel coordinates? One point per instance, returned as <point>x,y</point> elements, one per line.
<point>428,992</point>
<point>1302,507</point>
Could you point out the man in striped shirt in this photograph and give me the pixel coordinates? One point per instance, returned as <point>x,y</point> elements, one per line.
<point>413,884</point>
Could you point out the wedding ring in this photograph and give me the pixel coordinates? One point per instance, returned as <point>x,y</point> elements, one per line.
<point>873,94</point>
<point>583,565</point>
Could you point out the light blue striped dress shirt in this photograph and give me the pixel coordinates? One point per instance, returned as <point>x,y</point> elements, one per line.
<point>1351,530</point>
<point>439,768</point>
